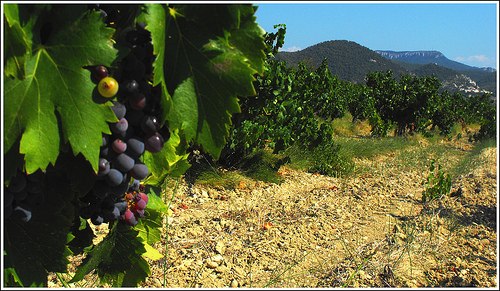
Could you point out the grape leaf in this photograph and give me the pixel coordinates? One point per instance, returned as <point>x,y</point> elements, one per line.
<point>158,41</point>
<point>249,39</point>
<point>152,253</point>
<point>150,226</point>
<point>16,48</point>
<point>99,254</point>
<point>120,252</point>
<point>57,93</point>
<point>171,160</point>
<point>39,246</point>
<point>202,69</point>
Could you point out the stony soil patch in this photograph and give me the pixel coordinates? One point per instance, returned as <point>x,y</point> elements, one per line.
<point>316,231</point>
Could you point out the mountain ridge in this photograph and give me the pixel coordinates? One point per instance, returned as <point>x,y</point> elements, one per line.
<point>350,61</point>
<point>424,57</point>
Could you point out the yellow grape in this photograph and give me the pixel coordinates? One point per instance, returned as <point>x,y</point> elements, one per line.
<point>108,87</point>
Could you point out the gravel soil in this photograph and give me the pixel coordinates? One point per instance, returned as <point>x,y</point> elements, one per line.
<point>367,230</point>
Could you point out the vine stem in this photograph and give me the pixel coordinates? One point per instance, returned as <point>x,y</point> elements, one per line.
<point>63,281</point>
<point>165,253</point>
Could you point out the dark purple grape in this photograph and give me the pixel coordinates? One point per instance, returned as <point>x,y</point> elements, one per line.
<point>122,206</point>
<point>96,219</point>
<point>35,198</point>
<point>133,37</point>
<point>117,192</point>
<point>101,188</point>
<point>124,163</point>
<point>139,213</point>
<point>100,72</point>
<point>103,13</point>
<point>36,176</point>
<point>103,167</point>
<point>135,185</point>
<point>135,147</point>
<point>8,197</point>
<point>90,197</point>
<point>131,87</point>
<point>135,117</point>
<point>132,221</point>
<point>34,187</point>
<point>107,205</point>
<point>127,215</point>
<point>119,127</point>
<point>129,218</point>
<point>145,87</point>
<point>105,140</point>
<point>153,143</point>
<point>107,153</point>
<point>150,124</point>
<point>21,195</point>
<point>138,102</point>
<point>138,73</point>
<point>114,177</point>
<point>141,28</point>
<point>165,133</point>
<point>139,52</point>
<point>18,183</point>
<point>140,205</point>
<point>144,197</point>
<point>86,212</point>
<point>131,63</point>
<point>119,109</point>
<point>119,146</point>
<point>113,215</point>
<point>22,212</point>
<point>139,171</point>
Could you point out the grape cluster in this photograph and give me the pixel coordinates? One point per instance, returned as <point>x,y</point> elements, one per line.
<point>24,192</point>
<point>136,104</point>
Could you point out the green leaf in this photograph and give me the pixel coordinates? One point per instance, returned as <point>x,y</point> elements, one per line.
<point>117,257</point>
<point>172,160</point>
<point>16,48</point>
<point>99,254</point>
<point>137,273</point>
<point>150,226</point>
<point>156,203</point>
<point>57,93</point>
<point>157,29</point>
<point>203,72</point>
<point>39,246</point>
<point>152,253</point>
<point>249,39</point>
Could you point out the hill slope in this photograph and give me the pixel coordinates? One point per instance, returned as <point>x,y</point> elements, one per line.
<point>351,62</point>
<point>346,59</point>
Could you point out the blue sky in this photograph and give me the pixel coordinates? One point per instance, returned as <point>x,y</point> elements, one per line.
<point>463,31</point>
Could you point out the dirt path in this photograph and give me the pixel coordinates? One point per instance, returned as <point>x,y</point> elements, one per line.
<point>317,231</point>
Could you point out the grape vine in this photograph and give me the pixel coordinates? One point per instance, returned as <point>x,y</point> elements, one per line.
<point>101,103</point>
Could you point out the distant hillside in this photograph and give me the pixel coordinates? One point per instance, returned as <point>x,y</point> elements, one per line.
<point>454,80</point>
<point>350,61</point>
<point>429,57</point>
<point>484,80</point>
<point>346,59</point>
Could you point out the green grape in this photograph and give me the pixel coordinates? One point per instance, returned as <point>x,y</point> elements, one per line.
<point>108,87</point>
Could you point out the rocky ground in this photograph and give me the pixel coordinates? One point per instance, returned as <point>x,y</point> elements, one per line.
<point>368,230</point>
